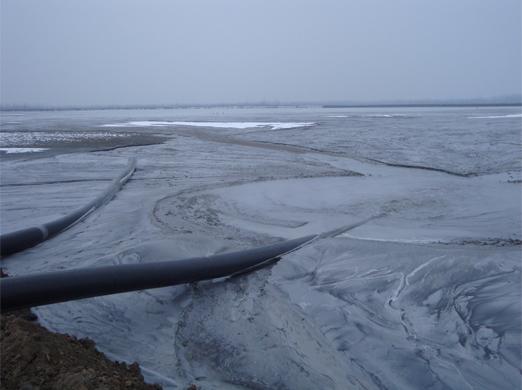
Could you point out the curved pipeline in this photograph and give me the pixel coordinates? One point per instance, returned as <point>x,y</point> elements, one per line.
<point>41,289</point>
<point>26,238</point>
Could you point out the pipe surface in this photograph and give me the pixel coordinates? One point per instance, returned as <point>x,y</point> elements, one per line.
<point>26,238</point>
<point>41,289</point>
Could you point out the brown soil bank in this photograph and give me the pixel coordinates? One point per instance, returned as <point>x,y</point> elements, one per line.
<point>33,358</point>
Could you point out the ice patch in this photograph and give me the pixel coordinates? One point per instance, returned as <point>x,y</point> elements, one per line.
<point>228,125</point>
<point>387,116</point>
<point>497,116</point>
<point>371,116</point>
<point>22,150</point>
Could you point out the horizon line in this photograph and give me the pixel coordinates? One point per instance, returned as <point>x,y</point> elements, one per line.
<point>472,102</point>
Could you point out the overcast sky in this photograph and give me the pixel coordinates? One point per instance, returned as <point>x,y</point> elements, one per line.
<point>72,52</point>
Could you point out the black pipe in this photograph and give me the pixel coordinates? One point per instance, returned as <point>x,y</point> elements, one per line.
<point>41,289</point>
<point>26,238</point>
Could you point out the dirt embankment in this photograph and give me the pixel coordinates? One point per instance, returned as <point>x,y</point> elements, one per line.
<point>33,358</point>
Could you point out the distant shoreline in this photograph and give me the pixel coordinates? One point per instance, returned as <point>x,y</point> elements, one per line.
<point>422,105</point>
<point>243,106</point>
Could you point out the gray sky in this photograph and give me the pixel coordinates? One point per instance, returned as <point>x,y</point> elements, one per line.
<point>143,52</point>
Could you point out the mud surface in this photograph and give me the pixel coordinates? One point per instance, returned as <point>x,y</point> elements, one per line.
<point>423,292</point>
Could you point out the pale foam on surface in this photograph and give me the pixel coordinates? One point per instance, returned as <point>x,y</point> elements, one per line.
<point>228,125</point>
<point>30,137</point>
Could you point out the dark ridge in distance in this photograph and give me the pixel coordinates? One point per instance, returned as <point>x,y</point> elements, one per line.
<point>422,105</point>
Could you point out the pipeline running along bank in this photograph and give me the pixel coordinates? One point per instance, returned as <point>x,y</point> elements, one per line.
<point>52,287</point>
<point>41,289</point>
<point>20,240</point>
